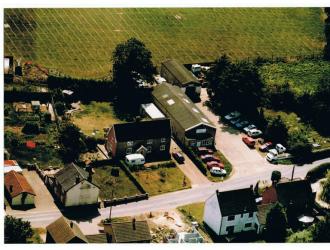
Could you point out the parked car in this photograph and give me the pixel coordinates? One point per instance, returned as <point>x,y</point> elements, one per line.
<point>178,157</point>
<point>265,147</point>
<point>204,150</point>
<point>134,159</point>
<point>280,148</point>
<point>241,124</point>
<point>254,133</point>
<point>272,157</point>
<point>218,171</point>
<point>234,121</point>
<point>232,115</point>
<point>249,141</point>
<point>212,164</point>
<point>248,128</point>
<point>208,157</point>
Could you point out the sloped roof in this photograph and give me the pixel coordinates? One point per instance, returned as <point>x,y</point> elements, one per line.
<point>142,130</point>
<point>62,231</point>
<point>66,177</point>
<point>179,105</point>
<point>97,238</point>
<point>180,72</point>
<point>294,191</point>
<point>124,232</point>
<point>236,201</point>
<point>18,182</point>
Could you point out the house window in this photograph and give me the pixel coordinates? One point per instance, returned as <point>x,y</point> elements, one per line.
<point>248,224</point>
<point>128,150</point>
<point>231,217</point>
<point>162,147</point>
<point>149,149</point>
<point>230,229</point>
<point>250,215</point>
<point>163,140</point>
<point>130,143</point>
<point>149,141</point>
<point>201,131</point>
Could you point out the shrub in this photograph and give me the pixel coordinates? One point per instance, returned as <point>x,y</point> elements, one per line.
<point>31,128</point>
<point>200,165</point>
<point>325,195</point>
<point>60,108</point>
<point>47,117</point>
<point>91,143</point>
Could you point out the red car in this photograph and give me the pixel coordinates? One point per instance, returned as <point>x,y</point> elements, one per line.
<point>249,141</point>
<point>204,150</point>
<point>265,147</point>
<point>212,164</point>
<point>207,158</point>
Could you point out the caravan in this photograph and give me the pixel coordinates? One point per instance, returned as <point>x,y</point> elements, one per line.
<point>134,159</point>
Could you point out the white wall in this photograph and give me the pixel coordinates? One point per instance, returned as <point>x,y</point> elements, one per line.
<point>239,223</point>
<point>84,193</point>
<point>212,214</point>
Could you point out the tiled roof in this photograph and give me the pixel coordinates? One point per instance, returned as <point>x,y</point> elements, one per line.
<point>124,232</point>
<point>62,231</point>
<point>97,238</point>
<point>10,163</point>
<point>237,201</point>
<point>143,130</point>
<point>269,195</point>
<point>18,182</point>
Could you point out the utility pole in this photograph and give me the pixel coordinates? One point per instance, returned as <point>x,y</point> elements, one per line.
<point>111,205</point>
<point>294,166</point>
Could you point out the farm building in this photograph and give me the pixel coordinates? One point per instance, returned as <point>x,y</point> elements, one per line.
<point>175,73</point>
<point>74,187</point>
<point>151,111</point>
<point>10,165</point>
<point>149,138</point>
<point>231,212</point>
<point>64,231</point>
<point>18,190</point>
<point>128,232</point>
<point>189,125</point>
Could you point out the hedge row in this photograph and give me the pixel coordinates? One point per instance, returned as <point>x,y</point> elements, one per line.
<point>126,169</point>
<point>318,172</point>
<point>196,160</point>
<point>166,164</point>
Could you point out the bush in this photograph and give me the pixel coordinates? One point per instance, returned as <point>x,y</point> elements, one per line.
<point>318,172</point>
<point>60,108</point>
<point>47,117</point>
<point>91,143</point>
<point>31,128</point>
<point>325,195</point>
<point>166,164</point>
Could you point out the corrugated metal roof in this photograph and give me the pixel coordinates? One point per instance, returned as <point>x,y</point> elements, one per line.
<point>178,104</point>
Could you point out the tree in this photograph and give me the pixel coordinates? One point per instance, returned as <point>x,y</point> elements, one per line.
<point>91,143</point>
<point>325,195</point>
<point>71,141</point>
<point>47,117</point>
<point>60,108</point>
<point>276,176</point>
<point>17,230</point>
<point>276,130</point>
<point>299,145</point>
<point>31,128</point>
<point>235,86</point>
<point>320,230</point>
<point>304,236</point>
<point>326,50</point>
<point>276,224</point>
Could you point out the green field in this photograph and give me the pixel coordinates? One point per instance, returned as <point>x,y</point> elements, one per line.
<point>79,42</point>
<point>302,76</point>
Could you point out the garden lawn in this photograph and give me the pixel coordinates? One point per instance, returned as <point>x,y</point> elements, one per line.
<point>94,117</point>
<point>154,184</point>
<point>193,212</point>
<point>293,123</point>
<point>121,185</point>
<point>80,42</point>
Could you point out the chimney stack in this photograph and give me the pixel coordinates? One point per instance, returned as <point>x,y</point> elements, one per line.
<point>71,224</point>
<point>133,222</point>
<point>11,188</point>
<point>77,179</point>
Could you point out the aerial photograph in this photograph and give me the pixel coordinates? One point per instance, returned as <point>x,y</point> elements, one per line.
<point>166,125</point>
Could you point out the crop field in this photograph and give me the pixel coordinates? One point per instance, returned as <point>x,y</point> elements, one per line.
<point>79,42</point>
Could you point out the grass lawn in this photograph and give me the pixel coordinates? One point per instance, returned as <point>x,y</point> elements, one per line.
<point>228,168</point>
<point>79,42</point>
<point>94,117</point>
<point>123,186</point>
<point>302,76</point>
<point>193,212</point>
<point>293,123</point>
<point>154,184</point>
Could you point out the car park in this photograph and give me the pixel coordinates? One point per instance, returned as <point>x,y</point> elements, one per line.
<point>232,115</point>
<point>218,171</point>
<point>178,157</point>
<point>254,133</point>
<point>241,124</point>
<point>248,128</point>
<point>204,150</point>
<point>265,147</point>
<point>212,164</point>
<point>249,141</point>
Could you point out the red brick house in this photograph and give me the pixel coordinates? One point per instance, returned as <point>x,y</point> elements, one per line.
<point>149,138</point>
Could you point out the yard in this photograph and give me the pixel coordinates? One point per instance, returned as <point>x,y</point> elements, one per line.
<point>79,42</point>
<point>162,180</point>
<point>94,117</point>
<point>122,186</point>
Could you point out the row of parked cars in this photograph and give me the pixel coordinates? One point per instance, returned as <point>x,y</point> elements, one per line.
<point>275,152</point>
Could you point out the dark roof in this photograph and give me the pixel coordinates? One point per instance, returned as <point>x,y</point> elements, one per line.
<point>142,130</point>
<point>62,231</point>
<point>263,211</point>
<point>176,103</point>
<point>180,72</point>
<point>18,182</point>
<point>294,191</point>
<point>123,232</point>
<point>66,177</point>
<point>97,238</point>
<point>237,201</point>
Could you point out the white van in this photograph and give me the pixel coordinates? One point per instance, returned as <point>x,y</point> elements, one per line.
<point>134,159</point>
<point>280,148</point>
